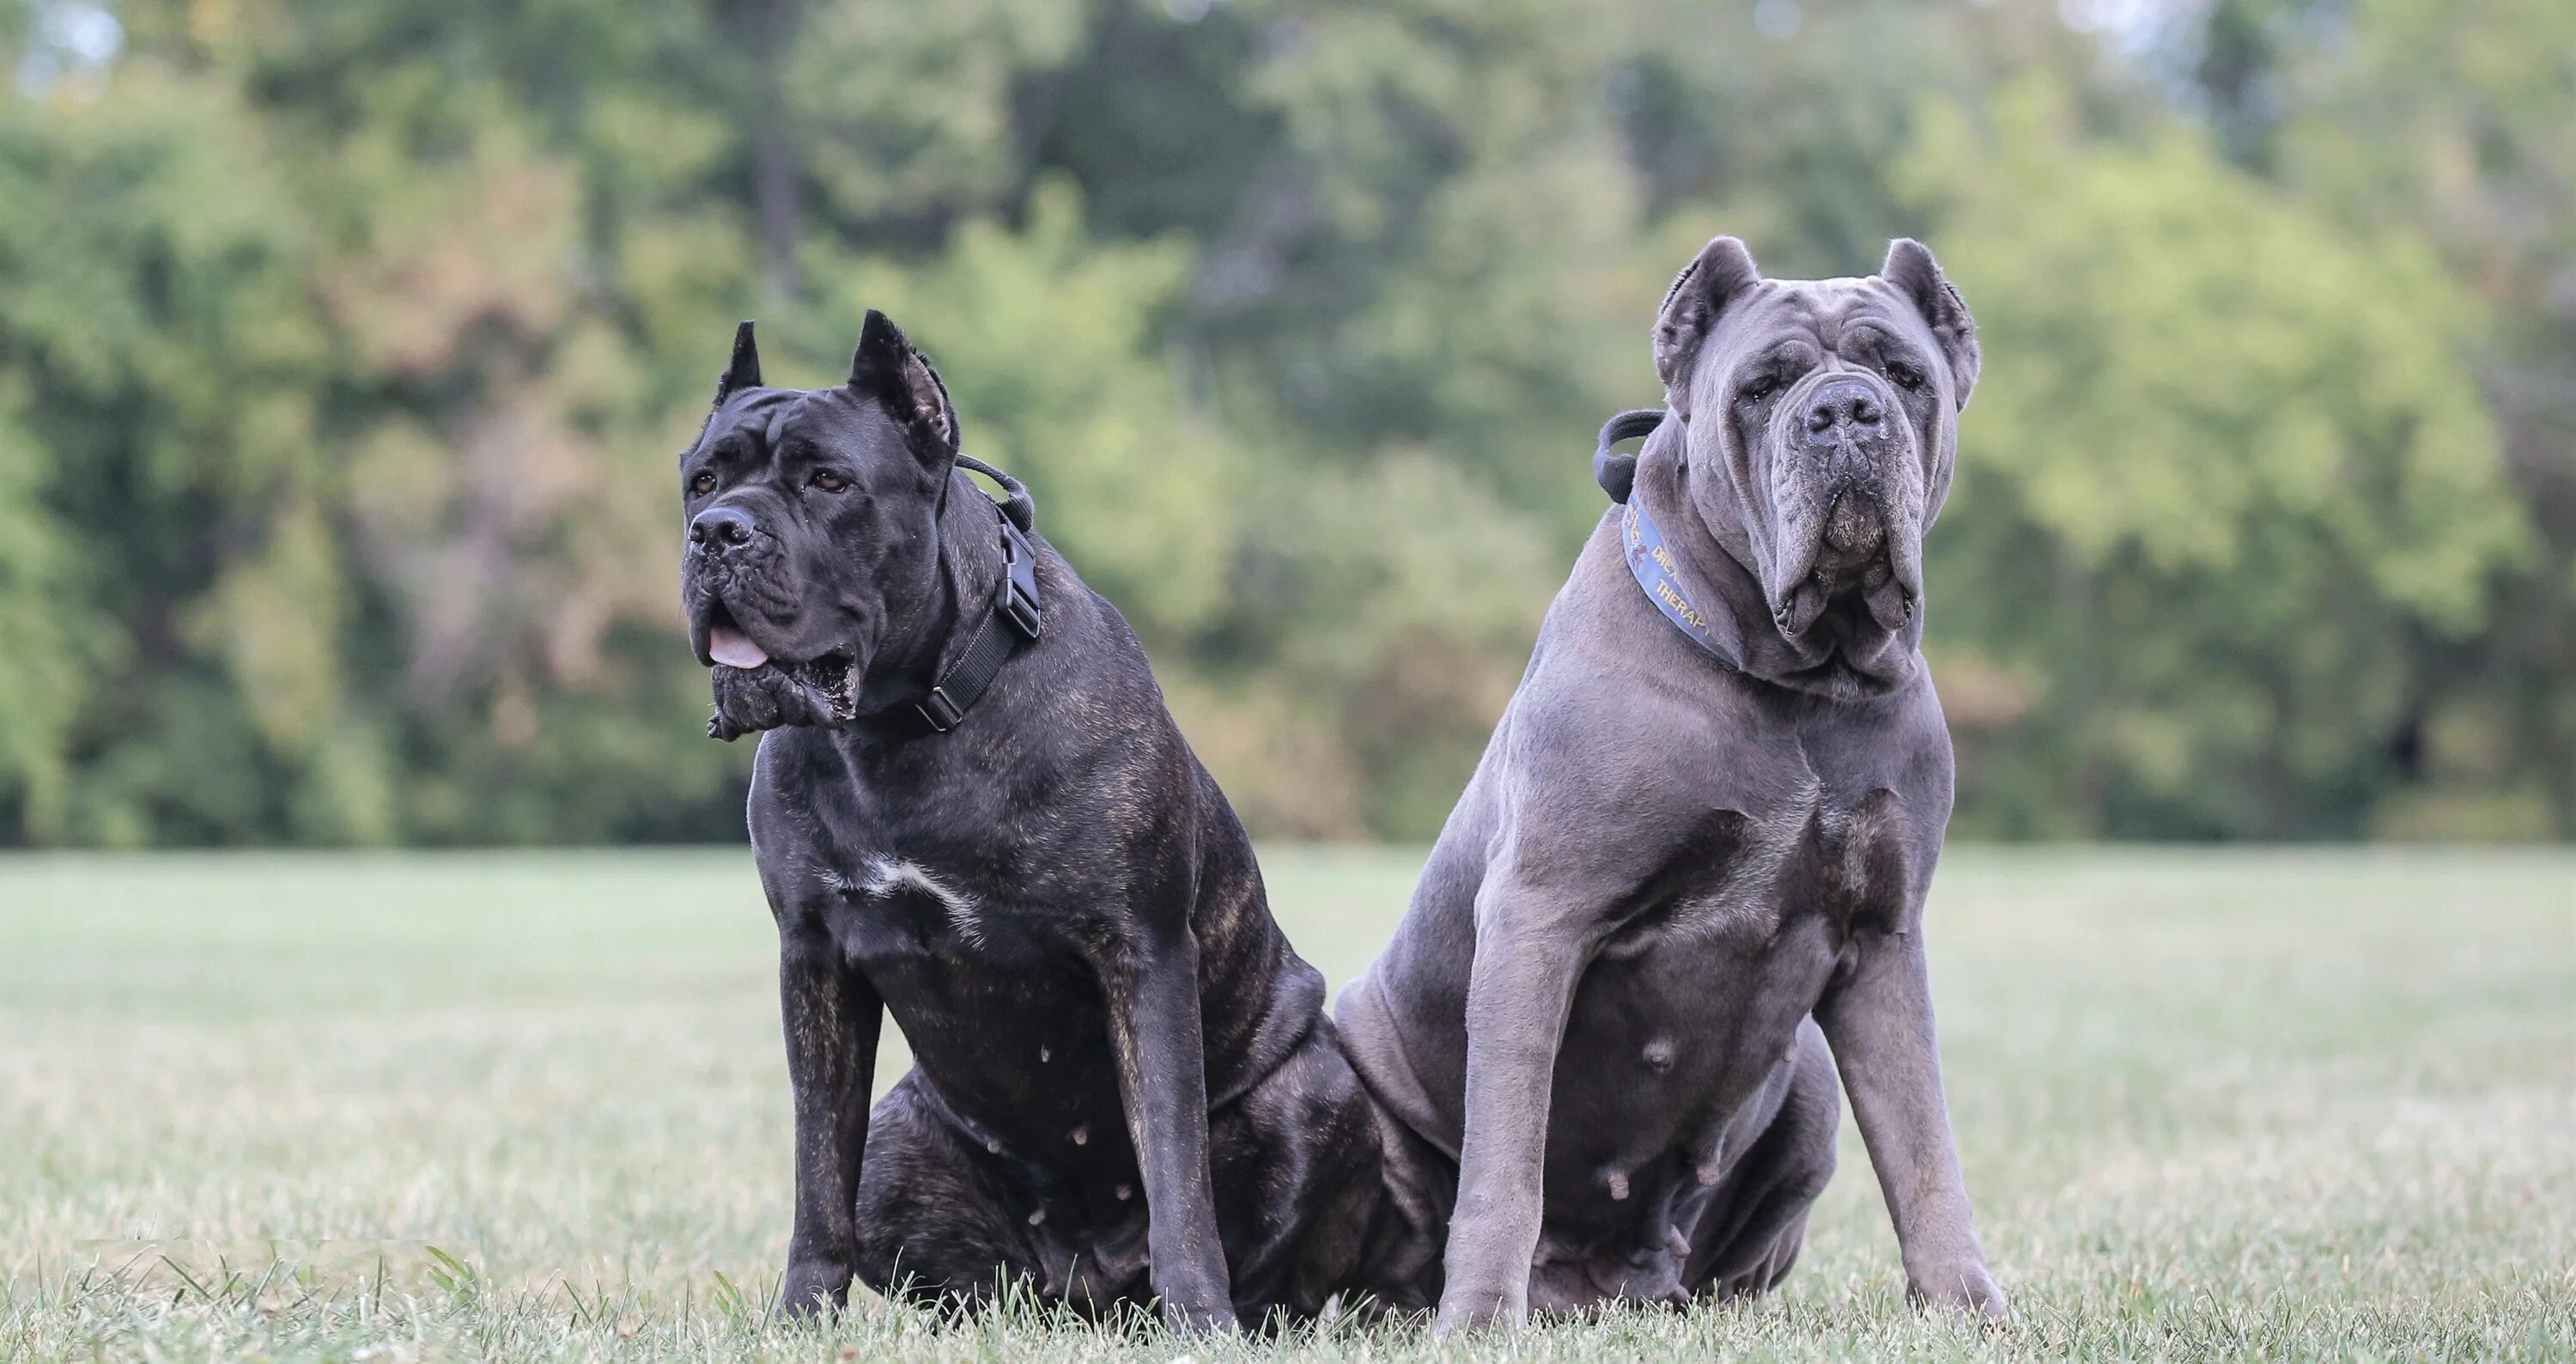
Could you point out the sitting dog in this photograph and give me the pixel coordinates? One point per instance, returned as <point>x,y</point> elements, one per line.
<point>972,808</point>
<point>1704,827</point>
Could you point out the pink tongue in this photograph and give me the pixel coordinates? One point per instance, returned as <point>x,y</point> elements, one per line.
<point>733,649</point>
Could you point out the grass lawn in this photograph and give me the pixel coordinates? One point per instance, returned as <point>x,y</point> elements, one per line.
<point>2213,1104</point>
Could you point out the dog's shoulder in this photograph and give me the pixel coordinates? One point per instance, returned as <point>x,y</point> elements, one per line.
<point>1599,720</point>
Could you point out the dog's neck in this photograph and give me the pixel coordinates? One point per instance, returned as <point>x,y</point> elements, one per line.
<point>923,634</point>
<point>1710,524</point>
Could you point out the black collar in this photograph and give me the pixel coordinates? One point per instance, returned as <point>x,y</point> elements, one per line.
<point>1009,618</point>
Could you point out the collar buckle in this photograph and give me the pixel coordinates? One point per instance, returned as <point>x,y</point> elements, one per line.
<point>939,712</point>
<point>1019,601</point>
<point>975,660</point>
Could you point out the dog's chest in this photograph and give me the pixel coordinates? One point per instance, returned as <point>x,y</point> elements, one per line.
<point>898,912</point>
<point>1694,1002</point>
<point>994,999</point>
<point>1739,878</point>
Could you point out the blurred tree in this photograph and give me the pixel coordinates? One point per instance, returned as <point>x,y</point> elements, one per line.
<point>344,348</point>
<point>1049,337</point>
<point>2420,116</point>
<point>2227,483</point>
<point>158,356</point>
<point>2426,118</point>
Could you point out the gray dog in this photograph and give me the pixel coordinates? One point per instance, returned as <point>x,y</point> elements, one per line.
<point>1703,828</point>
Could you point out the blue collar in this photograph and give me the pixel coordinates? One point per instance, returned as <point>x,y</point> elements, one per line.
<point>1657,570</point>
<point>1659,573</point>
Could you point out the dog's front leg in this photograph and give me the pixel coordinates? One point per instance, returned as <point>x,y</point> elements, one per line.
<point>1879,1023</point>
<point>1528,957</point>
<point>1162,1079</point>
<point>832,1016</point>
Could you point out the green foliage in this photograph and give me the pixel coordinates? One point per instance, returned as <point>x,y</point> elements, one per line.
<point>162,354</point>
<point>1045,339</point>
<point>2458,130</point>
<point>343,349</point>
<point>2229,478</point>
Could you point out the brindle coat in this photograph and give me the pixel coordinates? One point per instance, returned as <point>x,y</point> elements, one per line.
<point>1125,1086</point>
<point>1599,1024</point>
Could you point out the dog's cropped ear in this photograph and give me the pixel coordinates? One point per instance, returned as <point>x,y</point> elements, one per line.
<point>1915,275</point>
<point>887,368</point>
<point>743,371</point>
<point>1722,271</point>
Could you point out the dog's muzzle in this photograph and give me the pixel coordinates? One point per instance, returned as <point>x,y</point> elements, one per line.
<point>1846,443</point>
<point>732,577</point>
<point>1846,493</point>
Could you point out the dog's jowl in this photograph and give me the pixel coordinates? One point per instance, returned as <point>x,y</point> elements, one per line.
<point>971,809</point>
<point>1694,856</point>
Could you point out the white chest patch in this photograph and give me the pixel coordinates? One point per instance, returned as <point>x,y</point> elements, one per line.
<point>895,875</point>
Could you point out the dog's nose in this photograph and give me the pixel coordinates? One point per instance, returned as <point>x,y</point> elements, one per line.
<point>720,528</point>
<point>1843,402</point>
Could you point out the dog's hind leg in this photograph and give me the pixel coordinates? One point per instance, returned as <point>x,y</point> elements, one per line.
<point>937,1226</point>
<point>1296,1164</point>
<point>1750,1235</point>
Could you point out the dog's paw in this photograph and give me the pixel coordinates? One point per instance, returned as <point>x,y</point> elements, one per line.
<point>1963,1288</point>
<point>1207,1315</point>
<point>1466,1310</point>
<point>814,1288</point>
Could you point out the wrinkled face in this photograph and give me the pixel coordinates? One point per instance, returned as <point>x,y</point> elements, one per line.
<point>1832,407</point>
<point>811,527</point>
<point>1838,428</point>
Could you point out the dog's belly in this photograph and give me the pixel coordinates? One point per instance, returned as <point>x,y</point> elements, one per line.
<point>1666,1048</point>
<point>1684,1029</point>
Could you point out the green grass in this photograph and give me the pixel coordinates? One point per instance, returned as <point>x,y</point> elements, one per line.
<point>2213,1104</point>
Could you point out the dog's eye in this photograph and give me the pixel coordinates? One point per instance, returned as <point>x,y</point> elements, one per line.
<point>829,482</point>
<point>1905,376</point>
<point>703,484</point>
<point>1759,389</point>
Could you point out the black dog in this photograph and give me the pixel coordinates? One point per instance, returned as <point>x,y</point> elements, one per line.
<point>973,809</point>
